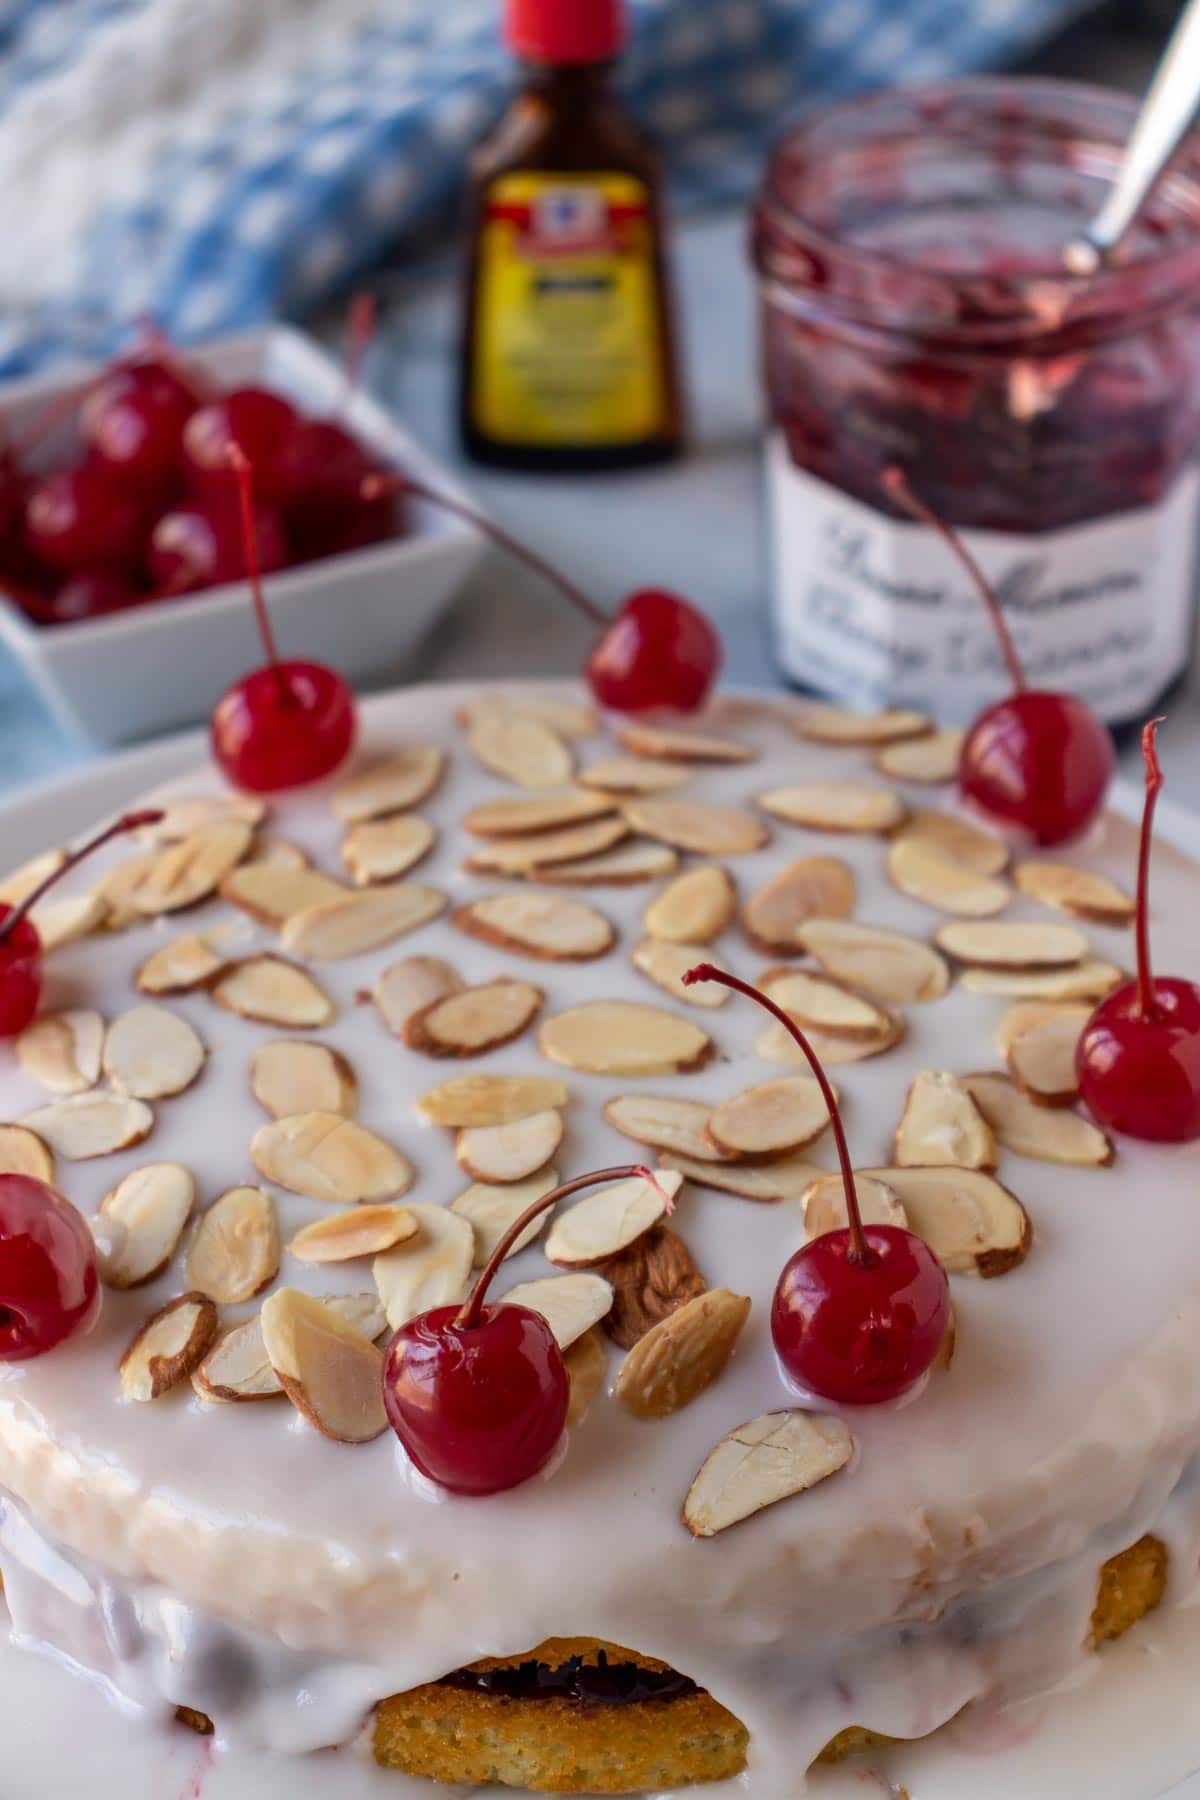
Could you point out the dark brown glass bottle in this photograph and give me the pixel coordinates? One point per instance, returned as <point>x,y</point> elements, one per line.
<point>568,355</point>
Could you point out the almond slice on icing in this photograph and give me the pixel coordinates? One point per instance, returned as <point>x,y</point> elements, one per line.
<point>289,1076</point>
<point>19,883</point>
<point>1013,944</point>
<point>570,1304</point>
<point>767,1183</point>
<point>523,750</point>
<point>554,809</point>
<point>545,849</point>
<point>1077,891</point>
<point>22,1152</point>
<point>835,806</point>
<point>1046,1133</point>
<point>331,1373</point>
<point>355,923</point>
<point>766,1460</point>
<point>827,1005</point>
<point>506,1153</point>
<point>491,1209</point>
<point>821,724</point>
<point>942,1124</point>
<point>151,1205</point>
<point>640,739</point>
<point>570,718</point>
<point>380,850</point>
<point>664,1123</point>
<point>151,1053</point>
<point>811,887</point>
<point>62,1050</point>
<point>271,894</point>
<point>772,1120</point>
<point>329,1158</point>
<point>406,986</point>
<point>1027,1015</point>
<point>654,1277</point>
<point>965,843</point>
<point>587,1371</point>
<point>429,1269</point>
<point>926,760</point>
<point>776,1045</point>
<point>824,1204</point>
<point>59,922</point>
<point>1089,980</point>
<point>695,908</point>
<point>185,873</point>
<point>697,825</point>
<point>625,866</point>
<point>924,872</point>
<point>471,1100</point>
<point>168,1347</point>
<point>86,1125</point>
<point>273,992</point>
<point>474,1021</point>
<point>549,926</point>
<point>359,1231</point>
<point>362,1311</point>
<point>970,1221</point>
<point>1041,1060</point>
<point>234,1248</point>
<point>887,964</point>
<point>620,1037</point>
<point>280,852</point>
<point>682,1355</point>
<point>635,775</point>
<point>666,965</point>
<point>179,967</point>
<point>394,784</point>
<point>608,1220</point>
<point>237,1368</point>
<point>181,818</point>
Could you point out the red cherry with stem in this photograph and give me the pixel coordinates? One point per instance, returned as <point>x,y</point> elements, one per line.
<point>1039,762</point>
<point>289,723</point>
<point>203,545</point>
<point>48,1285</point>
<point>478,1394</point>
<point>251,420</point>
<point>1138,1058</point>
<point>133,422</point>
<point>657,651</point>
<point>82,519</point>
<point>20,946</point>
<point>859,1315</point>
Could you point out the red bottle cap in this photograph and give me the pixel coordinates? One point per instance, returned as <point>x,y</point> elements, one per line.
<point>565,31</point>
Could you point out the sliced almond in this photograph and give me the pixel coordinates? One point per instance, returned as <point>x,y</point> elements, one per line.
<point>272,895</point>
<point>608,1220</point>
<point>363,1311</point>
<point>288,1076</point>
<point>761,1462</point>
<point>570,718</point>
<point>776,1045</point>
<point>86,1125</point>
<point>1077,891</point>
<point>542,850</point>
<point>183,817</point>
<point>273,992</point>
<point>651,1279</point>
<point>772,1120</point>
<point>20,883</point>
<point>550,926</point>
<point>927,760</point>
<point>234,1248</point>
<point>625,866</point>
<point>168,1347</point>
<point>429,1269</point>
<point>1049,1134</point>
<point>978,850</point>
<point>570,1304</point>
<point>973,1225</point>
<point>521,749</point>
<point>619,1037</point>
<point>62,1051</point>
<point>354,924</point>
<point>22,1152</point>
<point>331,1373</point>
<point>768,1183</point>
<point>329,1158</point>
<point>408,985</point>
<point>812,887</point>
<point>663,1123</point>
<point>59,922</point>
<point>640,739</point>
<point>393,785</point>
<point>821,724</point>
<point>382,849</point>
<point>1013,944</point>
<point>360,1231</point>
<point>281,853</point>
<point>887,964</point>
<point>695,908</point>
<point>474,1021</point>
<point>942,1124</point>
<point>1042,1061</point>
<point>697,825</point>
<point>666,965</point>
<point>587,1371</point>
<point>824,1204</point>
<point>490,1211</point>
<point>825,1004</point>
<point>1089,980</point>
<point>503,1153</point>
<point>635,775</point>
<point>1026,1015</point>
<point>471,1100</point>
<point>835,806</point>
<point>682,1355</point>
<point>924,872</point>
<point>552,810</point>
<point>151,1053</point>
<point>117,886</point>
<point>237,1368</point>
<point>151,1205</point>
<point>187,872</point>
<point>181,966</point>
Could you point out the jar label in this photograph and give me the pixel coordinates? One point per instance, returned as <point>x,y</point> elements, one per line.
<point>874,612</point>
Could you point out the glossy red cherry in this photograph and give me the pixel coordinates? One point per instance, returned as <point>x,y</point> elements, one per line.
<point>133,422</point>
<point>323,469</point>
<point>48,1285</point>
<point>82,519</point>
<point>859,1315</point>
<point>201,546</point>
<point>478,1394</point>
<point>91,595</point>
<point>255,422</point>
<point>1138,1059</point>
<point>1039,763</point>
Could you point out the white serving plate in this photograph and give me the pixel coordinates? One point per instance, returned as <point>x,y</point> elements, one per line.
<point>165,664</point>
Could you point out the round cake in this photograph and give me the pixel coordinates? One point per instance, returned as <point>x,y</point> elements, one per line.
<point>392,1008</point>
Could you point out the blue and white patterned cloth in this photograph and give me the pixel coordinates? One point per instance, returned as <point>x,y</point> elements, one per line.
<point>217,162</point>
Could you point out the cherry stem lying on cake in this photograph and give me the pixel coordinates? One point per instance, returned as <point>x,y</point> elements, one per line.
<point>1147,1001</point>
<point>133,821</point>
<point>240,464</point>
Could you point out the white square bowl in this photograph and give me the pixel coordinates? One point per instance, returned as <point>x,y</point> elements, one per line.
<point>165,664</point>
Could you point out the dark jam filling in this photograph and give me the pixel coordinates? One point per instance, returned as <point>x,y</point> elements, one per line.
<point>601,1683</point>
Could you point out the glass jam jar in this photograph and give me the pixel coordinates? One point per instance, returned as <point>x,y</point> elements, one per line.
<point>915,310</point>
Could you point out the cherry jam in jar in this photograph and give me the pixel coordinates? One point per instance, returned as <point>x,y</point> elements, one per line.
<point>916,310</point>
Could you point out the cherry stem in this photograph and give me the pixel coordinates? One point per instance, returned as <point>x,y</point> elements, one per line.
<point>240,464</point>
<point>375,486</point>
<point>364,312</point>
<point>895,485</point>
<point>1147,1000</point>
<point>860,1251</point>
<point>469,1314</point>
<point>133,821</point>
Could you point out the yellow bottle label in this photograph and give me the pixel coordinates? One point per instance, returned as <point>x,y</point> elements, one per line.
<point>568,350</point>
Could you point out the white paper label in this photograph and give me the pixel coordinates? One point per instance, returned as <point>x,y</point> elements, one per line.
<point>875,612</point>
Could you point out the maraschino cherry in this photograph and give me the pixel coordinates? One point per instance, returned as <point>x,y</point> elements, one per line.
<point>48,1285</point>
<point>133,422</point>
<point>20,946</point>
<point>289,723</point>
<point>250,420</point>
<point>1139,1055</point>
<point>1039,763</point>
<point>859,1315</point>
<point>656,651</point>
<point>83,518</point>
<point>478,1394</point>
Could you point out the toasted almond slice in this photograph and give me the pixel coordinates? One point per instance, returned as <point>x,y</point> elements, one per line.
<point>382,849</point>
<point>272,895</point>
<point>237,1368</point>
<point>654,1277</point>
<point>625,866</point>
<point>179,967</point>
<point>570,718</point>
<point>695,908</point>
<point>821,724</point>
<point>887,964</point>
<point>772,1120</point>
<point>273,992</point>
<point>973,1225</point>
<point>942,1124</point>
<point>59,922</point>
<point>234,1248</point>
<point>151,1053</point>
<point>812,887</point>
<point>353,924</point>
<point>549,926</point>
<point>608,1220</point>
<point>394,784</point>
<point>151,1205</point>
<point>505,1153</point>
<point>521,749</point>
<point>776,1045</point>
<point>635,775</point>
<point>666,965</point>
<point>697,825</point>
<point>543,850</point>
<point>471,1100</point>
<point>408,985</point>
<point>168,1347</point>
<point>587,1371</point>
<point>182,818</point>
<point>329,1158</point>
<point>86,1125</point>
<point>619,1037</point>
<point>664,1124</point>
<point>17,886</point>
<point>474,1021</point>
<point>968,844</point>
<point>761,1462</point>
<point>570,1304</point>
<point>842,806</point>
<point>924,872</point>
<point>22,1152</point>
<point>360,1231</point>
<point>116,887</point>
<point>1041,1060</point>
<point>1077,891</point>
<point>1089,980</point>
<point>490,1211</point>
<point>823,1203</point>
<point>1026,1015</point>
<point>288,1076</point>
<point>827,1005</point>
<point>331,1373</point>
<point>362,1311</point>
<point>640,739</point>
<point>62,1050</point>
<point>927,760</point>
<point>280,852</point>
<point>1047,1133</point>
<point>553,809</point>
<point>1013,944</point>
<point>682,1355</point>
<point>765,1182</point>
<point>185,873</point>
<point>430,1269</point>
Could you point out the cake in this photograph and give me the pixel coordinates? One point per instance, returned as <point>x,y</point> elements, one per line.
<point>621,1621</point>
